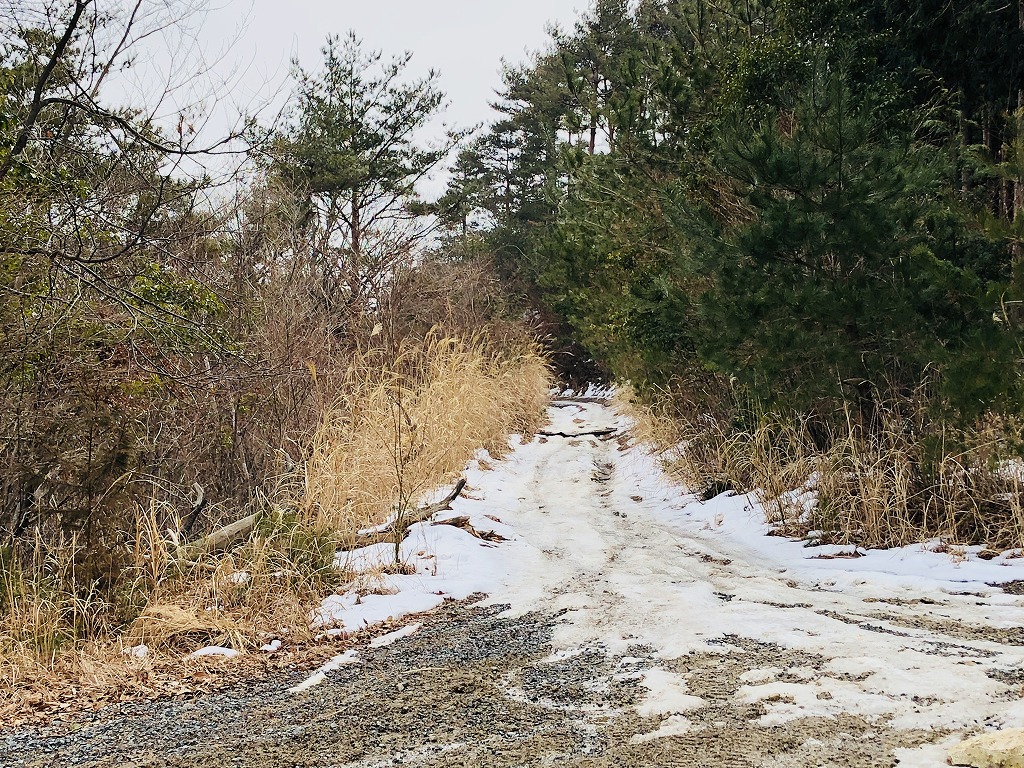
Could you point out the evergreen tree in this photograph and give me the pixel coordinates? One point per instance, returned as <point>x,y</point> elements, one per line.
<point>831,286</point>
<point>783,193</point>
<point>354,157</point>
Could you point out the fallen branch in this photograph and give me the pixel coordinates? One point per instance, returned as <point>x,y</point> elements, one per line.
<point>464,524</point>
<point>230,535</point>
<point>591,433</point>
<point>221,539</point>
<point>197,506</point>
<point>398,529</point>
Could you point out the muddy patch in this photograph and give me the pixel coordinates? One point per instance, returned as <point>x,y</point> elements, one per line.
<point>956,629</point>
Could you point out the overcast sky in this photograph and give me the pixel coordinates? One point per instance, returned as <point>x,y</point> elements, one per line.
<point>464,39</point>
<point>255,40</point>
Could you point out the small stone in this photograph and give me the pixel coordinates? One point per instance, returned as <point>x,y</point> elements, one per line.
<point>1002,749</point>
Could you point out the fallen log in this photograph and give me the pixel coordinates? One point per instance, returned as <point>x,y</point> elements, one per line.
<point>590,433</point>
<point>230,535</point>
<point>570,399</point>
<point>220,540</point>
<point>397,529</point>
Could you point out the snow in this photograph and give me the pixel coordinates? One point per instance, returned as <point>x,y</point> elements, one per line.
<point>666,695</point>
<point>393,637</point>
<point>592,392</point>
<point>137,651</point>
<point>348,657</point>
<point>448,562</point>
<point>214,650</point>
<point>350,613</point>
<point>272,647</point>
<point>760,675</point>
<point>595,528</point>
<point>928,756</point>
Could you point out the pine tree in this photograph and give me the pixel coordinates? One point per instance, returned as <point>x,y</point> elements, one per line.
<point>353,155</point>
<point>831,287</point>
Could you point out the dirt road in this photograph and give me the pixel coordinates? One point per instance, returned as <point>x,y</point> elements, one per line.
<point>632,629</point>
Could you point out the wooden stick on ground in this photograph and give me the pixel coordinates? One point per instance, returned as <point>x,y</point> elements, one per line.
<point>226,537</point>
<point>387,535</point>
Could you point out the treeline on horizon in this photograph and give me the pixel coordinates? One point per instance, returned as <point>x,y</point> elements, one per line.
<point>796,221</point>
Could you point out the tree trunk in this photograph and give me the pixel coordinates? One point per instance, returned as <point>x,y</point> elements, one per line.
<point>1018,187</point>
<point>993,154</point>
<point>965,140</point>
<point>1018,184</point>
<point>357,232</point>
<point>1017,248</point>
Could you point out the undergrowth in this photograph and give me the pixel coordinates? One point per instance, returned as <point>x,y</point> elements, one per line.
<point>399,428</point>
<point>406,421</point>
<point>906,479</point>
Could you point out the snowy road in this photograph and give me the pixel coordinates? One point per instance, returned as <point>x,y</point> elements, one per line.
<point>913,646</point>
<point>627,624</point>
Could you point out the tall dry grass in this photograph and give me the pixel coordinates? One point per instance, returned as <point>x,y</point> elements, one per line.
<point>906,480</point>
<point>41,612</point>
<point>406,424</point>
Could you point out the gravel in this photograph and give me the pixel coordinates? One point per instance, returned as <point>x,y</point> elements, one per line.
<point>474,687</point>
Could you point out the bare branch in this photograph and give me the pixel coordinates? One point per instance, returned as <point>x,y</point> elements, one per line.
<point>21,142</point>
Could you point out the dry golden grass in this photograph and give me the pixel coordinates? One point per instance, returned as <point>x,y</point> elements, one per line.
<point>902,484</point>
<point>50,661</point>
<point>98,673</point>
<point>697,448</point>
<point>404,428</point>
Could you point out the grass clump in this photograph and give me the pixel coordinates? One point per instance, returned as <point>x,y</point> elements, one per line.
<point>406,424</point>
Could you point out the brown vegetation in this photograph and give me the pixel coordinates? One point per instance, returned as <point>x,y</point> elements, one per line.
<point>903,482</point>
<point>174,357</point>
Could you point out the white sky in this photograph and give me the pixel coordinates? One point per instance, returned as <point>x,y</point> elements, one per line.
<point>249,45</point>
<point>465,40</point>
